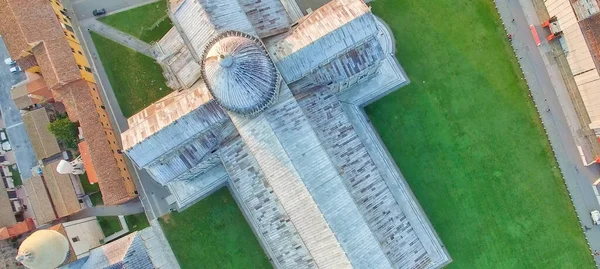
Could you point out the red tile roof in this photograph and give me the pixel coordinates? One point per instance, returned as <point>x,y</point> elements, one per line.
<point>87,162</point>
<point>79,103</point>
<point>32,26</point>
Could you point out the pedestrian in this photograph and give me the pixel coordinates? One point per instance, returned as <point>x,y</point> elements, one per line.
<point>513,20</point>
<point>509,37</point>
<point>548,110</point>
<point>596,253</point>
<point>586,228</point>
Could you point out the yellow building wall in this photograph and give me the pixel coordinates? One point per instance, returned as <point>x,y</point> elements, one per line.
<point>112,138</point>
<point>82,62</point>
<point>86,73</point>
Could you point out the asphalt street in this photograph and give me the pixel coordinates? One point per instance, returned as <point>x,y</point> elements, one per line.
<point>555,108</point>
<point>19,140</point>
<point>151,193</point>
<point>84,8</point>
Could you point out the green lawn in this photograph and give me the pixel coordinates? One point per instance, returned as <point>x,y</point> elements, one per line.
<point>136,79</point>
<point>16,176</point>
<point>87,187</point>
<point>137,222</point>
<point>213,233</point>
<point>148,23</point>
<point>109,224</point>
<point>468,140</point>
<point>96,198</point>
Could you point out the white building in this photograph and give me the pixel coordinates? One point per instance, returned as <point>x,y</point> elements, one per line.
<point>271,108</point>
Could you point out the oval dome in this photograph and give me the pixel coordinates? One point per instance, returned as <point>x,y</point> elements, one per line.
<point>239,73</point>
<point>43,249</point>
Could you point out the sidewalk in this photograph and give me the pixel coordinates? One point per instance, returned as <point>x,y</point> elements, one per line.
<point>556,110</point>
<point>118,36</point>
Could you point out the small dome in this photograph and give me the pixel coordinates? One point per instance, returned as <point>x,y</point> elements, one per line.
<point>64,167</point>
<point>239,73</point>
<point>43,249</point>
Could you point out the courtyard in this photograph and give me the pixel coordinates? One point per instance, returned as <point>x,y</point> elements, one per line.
<point>468,139</point>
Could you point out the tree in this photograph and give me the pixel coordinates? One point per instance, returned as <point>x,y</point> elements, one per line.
<point>65,131</point>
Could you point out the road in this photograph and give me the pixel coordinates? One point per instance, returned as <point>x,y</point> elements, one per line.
<point>152,194</point>
<point>13,121</point>
<point>555,108</point>
<point>84,8</point>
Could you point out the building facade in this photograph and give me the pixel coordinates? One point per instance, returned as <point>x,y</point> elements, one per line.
<point>41,39</point>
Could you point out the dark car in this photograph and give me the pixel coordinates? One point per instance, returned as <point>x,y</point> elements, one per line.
<point>98,12</point>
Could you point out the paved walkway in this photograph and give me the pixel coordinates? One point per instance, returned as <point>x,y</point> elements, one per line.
<point>555,109</point>
<point>129,208</point>
<point>151,194</point>
<point>118,36</point>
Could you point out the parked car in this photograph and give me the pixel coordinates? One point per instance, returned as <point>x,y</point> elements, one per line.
<point>15,69</point>
<point>9,61</point>
<point>99,12</point>
<point>595,214</point>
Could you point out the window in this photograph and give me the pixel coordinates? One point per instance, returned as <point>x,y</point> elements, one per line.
<point>75,239</point>
<point>88,69</point>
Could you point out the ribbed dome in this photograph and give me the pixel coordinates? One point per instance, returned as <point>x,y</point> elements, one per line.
<point>239,73</point>
<point>43,249</point>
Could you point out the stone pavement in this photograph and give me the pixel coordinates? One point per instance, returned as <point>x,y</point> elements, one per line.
<point>555,108</point>
<point>15,130</point>
<point>151,194</point>
<point>118,36</point>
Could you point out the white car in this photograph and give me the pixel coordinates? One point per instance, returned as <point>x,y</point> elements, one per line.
<point>595,214</point>
<point>15,69</point>
<point>9,61</point>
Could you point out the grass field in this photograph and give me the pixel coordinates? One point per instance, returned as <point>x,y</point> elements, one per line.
<point>137,222</point>
<point>87,187</point>
<point>136,79</point>
<point>96,198</point>
<point>148,23</point>
<point>16,176</point>
<point>109,224</point>
<point>213,233</point>
<point>468,140</point>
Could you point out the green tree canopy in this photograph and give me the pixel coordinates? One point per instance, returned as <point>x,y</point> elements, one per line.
<point>65,131</point>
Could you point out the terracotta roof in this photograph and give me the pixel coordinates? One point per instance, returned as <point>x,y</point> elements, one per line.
<point>43,142</point>
<point>7,216</point>
<point>20,228</point>
<point>32,26</point>
<point>31,91</point>
<point>61,190</point>
<point>78,101</point>
<point>87,162</point>
<point>19,96</point>
<point>52,196</point>
<point>39,201</point>
<point>591,32</point>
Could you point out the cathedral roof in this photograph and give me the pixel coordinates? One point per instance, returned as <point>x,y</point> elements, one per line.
<point>239,73</point>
